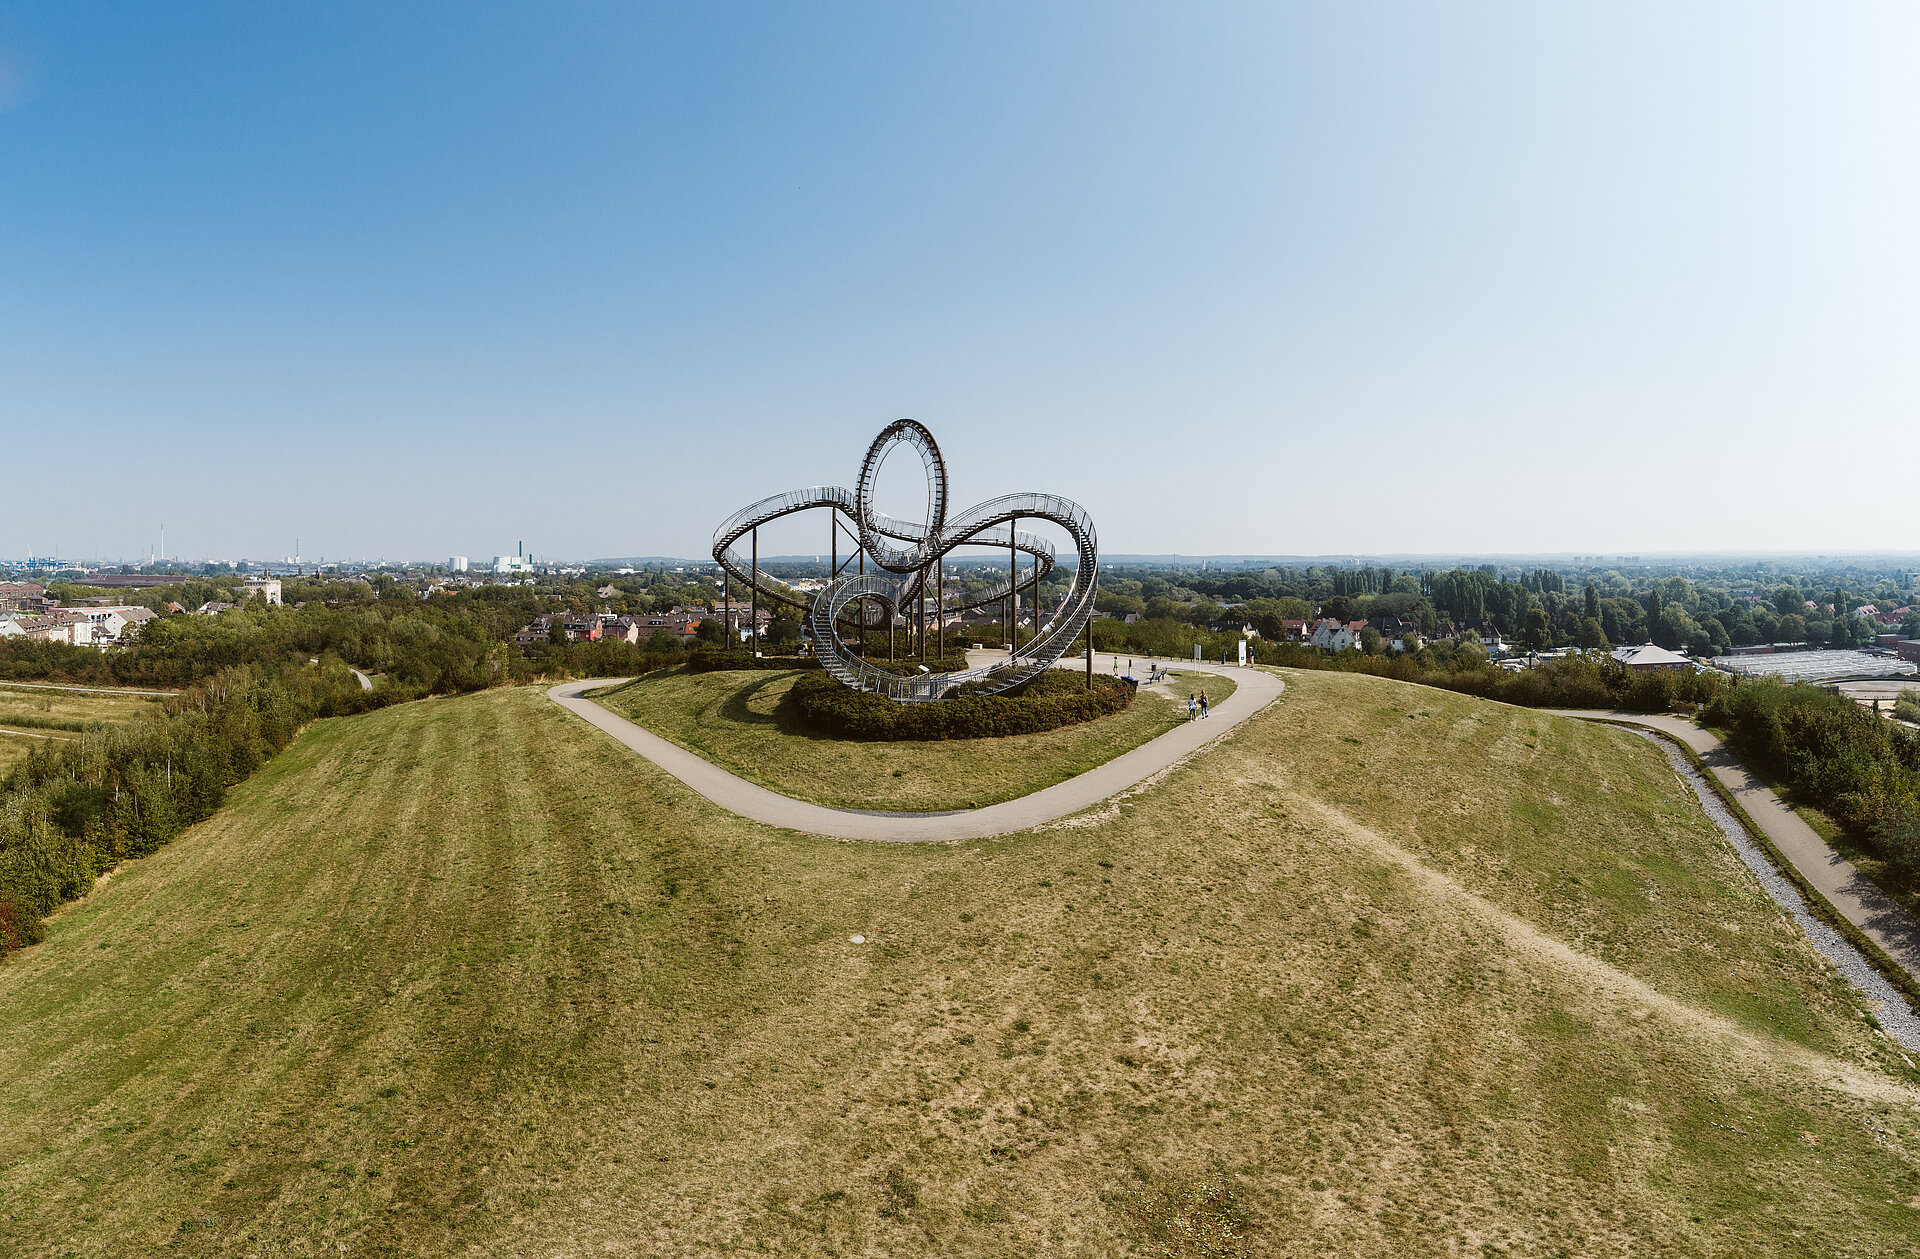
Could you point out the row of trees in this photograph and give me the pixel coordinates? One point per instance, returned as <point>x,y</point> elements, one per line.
<point>1856,765</point>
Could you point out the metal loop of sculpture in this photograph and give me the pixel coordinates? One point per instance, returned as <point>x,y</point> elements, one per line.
<point>907,553</point>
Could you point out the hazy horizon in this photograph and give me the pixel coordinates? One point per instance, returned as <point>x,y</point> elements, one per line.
<point>1495,280</point>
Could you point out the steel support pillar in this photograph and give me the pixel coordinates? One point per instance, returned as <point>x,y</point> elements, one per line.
<point>1013,585</point>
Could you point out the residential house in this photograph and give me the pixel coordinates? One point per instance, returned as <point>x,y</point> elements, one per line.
<point>1489,635</point>
<point>1330,635</point>
<point>111,625</point>
<point>50,627</point>
<point>23,596</point>
<point>576,626</point>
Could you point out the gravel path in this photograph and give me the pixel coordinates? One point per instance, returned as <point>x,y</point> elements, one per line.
<point>1254,690</point>
<point>1889,1006</point>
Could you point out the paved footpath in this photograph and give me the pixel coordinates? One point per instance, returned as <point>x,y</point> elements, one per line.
<point>1255,689</point>
<point>1849,891</point>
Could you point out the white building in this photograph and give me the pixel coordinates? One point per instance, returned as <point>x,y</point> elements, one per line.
<point>457,564</point>
<point>267,587</point>
<point>1331,635</point>
<point>512,564</point>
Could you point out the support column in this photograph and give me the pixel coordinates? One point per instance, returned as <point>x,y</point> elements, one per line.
<point>1089,653</point>
<point>753,627</point>
<point>940,608</point>
<point>1013,585</point>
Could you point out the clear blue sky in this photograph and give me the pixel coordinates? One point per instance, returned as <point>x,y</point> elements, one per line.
<point>413,280</point>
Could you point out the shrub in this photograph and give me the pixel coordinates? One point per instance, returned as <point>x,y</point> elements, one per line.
<point>703,660</point>
<point>1573,682</point>
<point>19,926</point>
<point>1055,698</point>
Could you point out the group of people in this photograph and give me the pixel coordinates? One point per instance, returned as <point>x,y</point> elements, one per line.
<point>1196,705</point>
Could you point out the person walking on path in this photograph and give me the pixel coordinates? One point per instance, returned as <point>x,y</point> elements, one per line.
<point>1203,705</point>
<point>1189,705</point>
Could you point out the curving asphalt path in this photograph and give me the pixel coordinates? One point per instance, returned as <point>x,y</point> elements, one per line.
<point>1254,690</point>
<point>1877,915</point>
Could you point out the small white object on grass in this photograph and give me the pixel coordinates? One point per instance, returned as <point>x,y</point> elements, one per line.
<point>856,939</point>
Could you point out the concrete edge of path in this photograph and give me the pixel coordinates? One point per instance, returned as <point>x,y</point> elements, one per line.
<point>1254,690</point>
<point>1854,896</point>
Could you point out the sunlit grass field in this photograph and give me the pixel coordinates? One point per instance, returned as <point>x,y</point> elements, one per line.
<point>29,716</point>
<point>736,720</point>
<point>1386,971</point>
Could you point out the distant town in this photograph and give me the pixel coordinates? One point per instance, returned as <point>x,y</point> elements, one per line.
<point>1848,624</point>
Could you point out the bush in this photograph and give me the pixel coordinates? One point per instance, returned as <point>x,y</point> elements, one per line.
<point>1593,681</point>
<point>1863,769</point>
<point>19,927</point>
<point>1056,698</point>
<point>704,660</point>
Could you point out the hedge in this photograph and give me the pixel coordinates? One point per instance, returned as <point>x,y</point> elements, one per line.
<point>1054,699</point>
<point>1858,766</point>
<point>705,660</point>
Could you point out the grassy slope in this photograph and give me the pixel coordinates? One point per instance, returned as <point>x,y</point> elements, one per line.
<point>466,976</point>
<point>735,719</point>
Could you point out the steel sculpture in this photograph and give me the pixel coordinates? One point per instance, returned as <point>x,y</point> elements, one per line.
<point>910,556</point>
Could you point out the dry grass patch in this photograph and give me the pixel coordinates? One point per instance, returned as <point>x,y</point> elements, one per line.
<point>464,977</point>
<point>74,706</point>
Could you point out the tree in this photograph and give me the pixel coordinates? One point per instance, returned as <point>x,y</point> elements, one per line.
<point>1371,641</point>
<point>557,631</point>
<point>785,630</point>
<point>1670,630</point>
<point>1910,628</point>
<point>1591,636</point>
<point>1788,601</point>
<point>1539,635</point>
<point>1593,602</point>
<point>711,630</point>
<point>1340,608</point>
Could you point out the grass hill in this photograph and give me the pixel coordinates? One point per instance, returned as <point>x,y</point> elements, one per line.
<point>1387,971</point>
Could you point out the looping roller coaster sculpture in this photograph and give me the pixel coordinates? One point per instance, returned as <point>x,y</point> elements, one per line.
<point>910,557</point>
